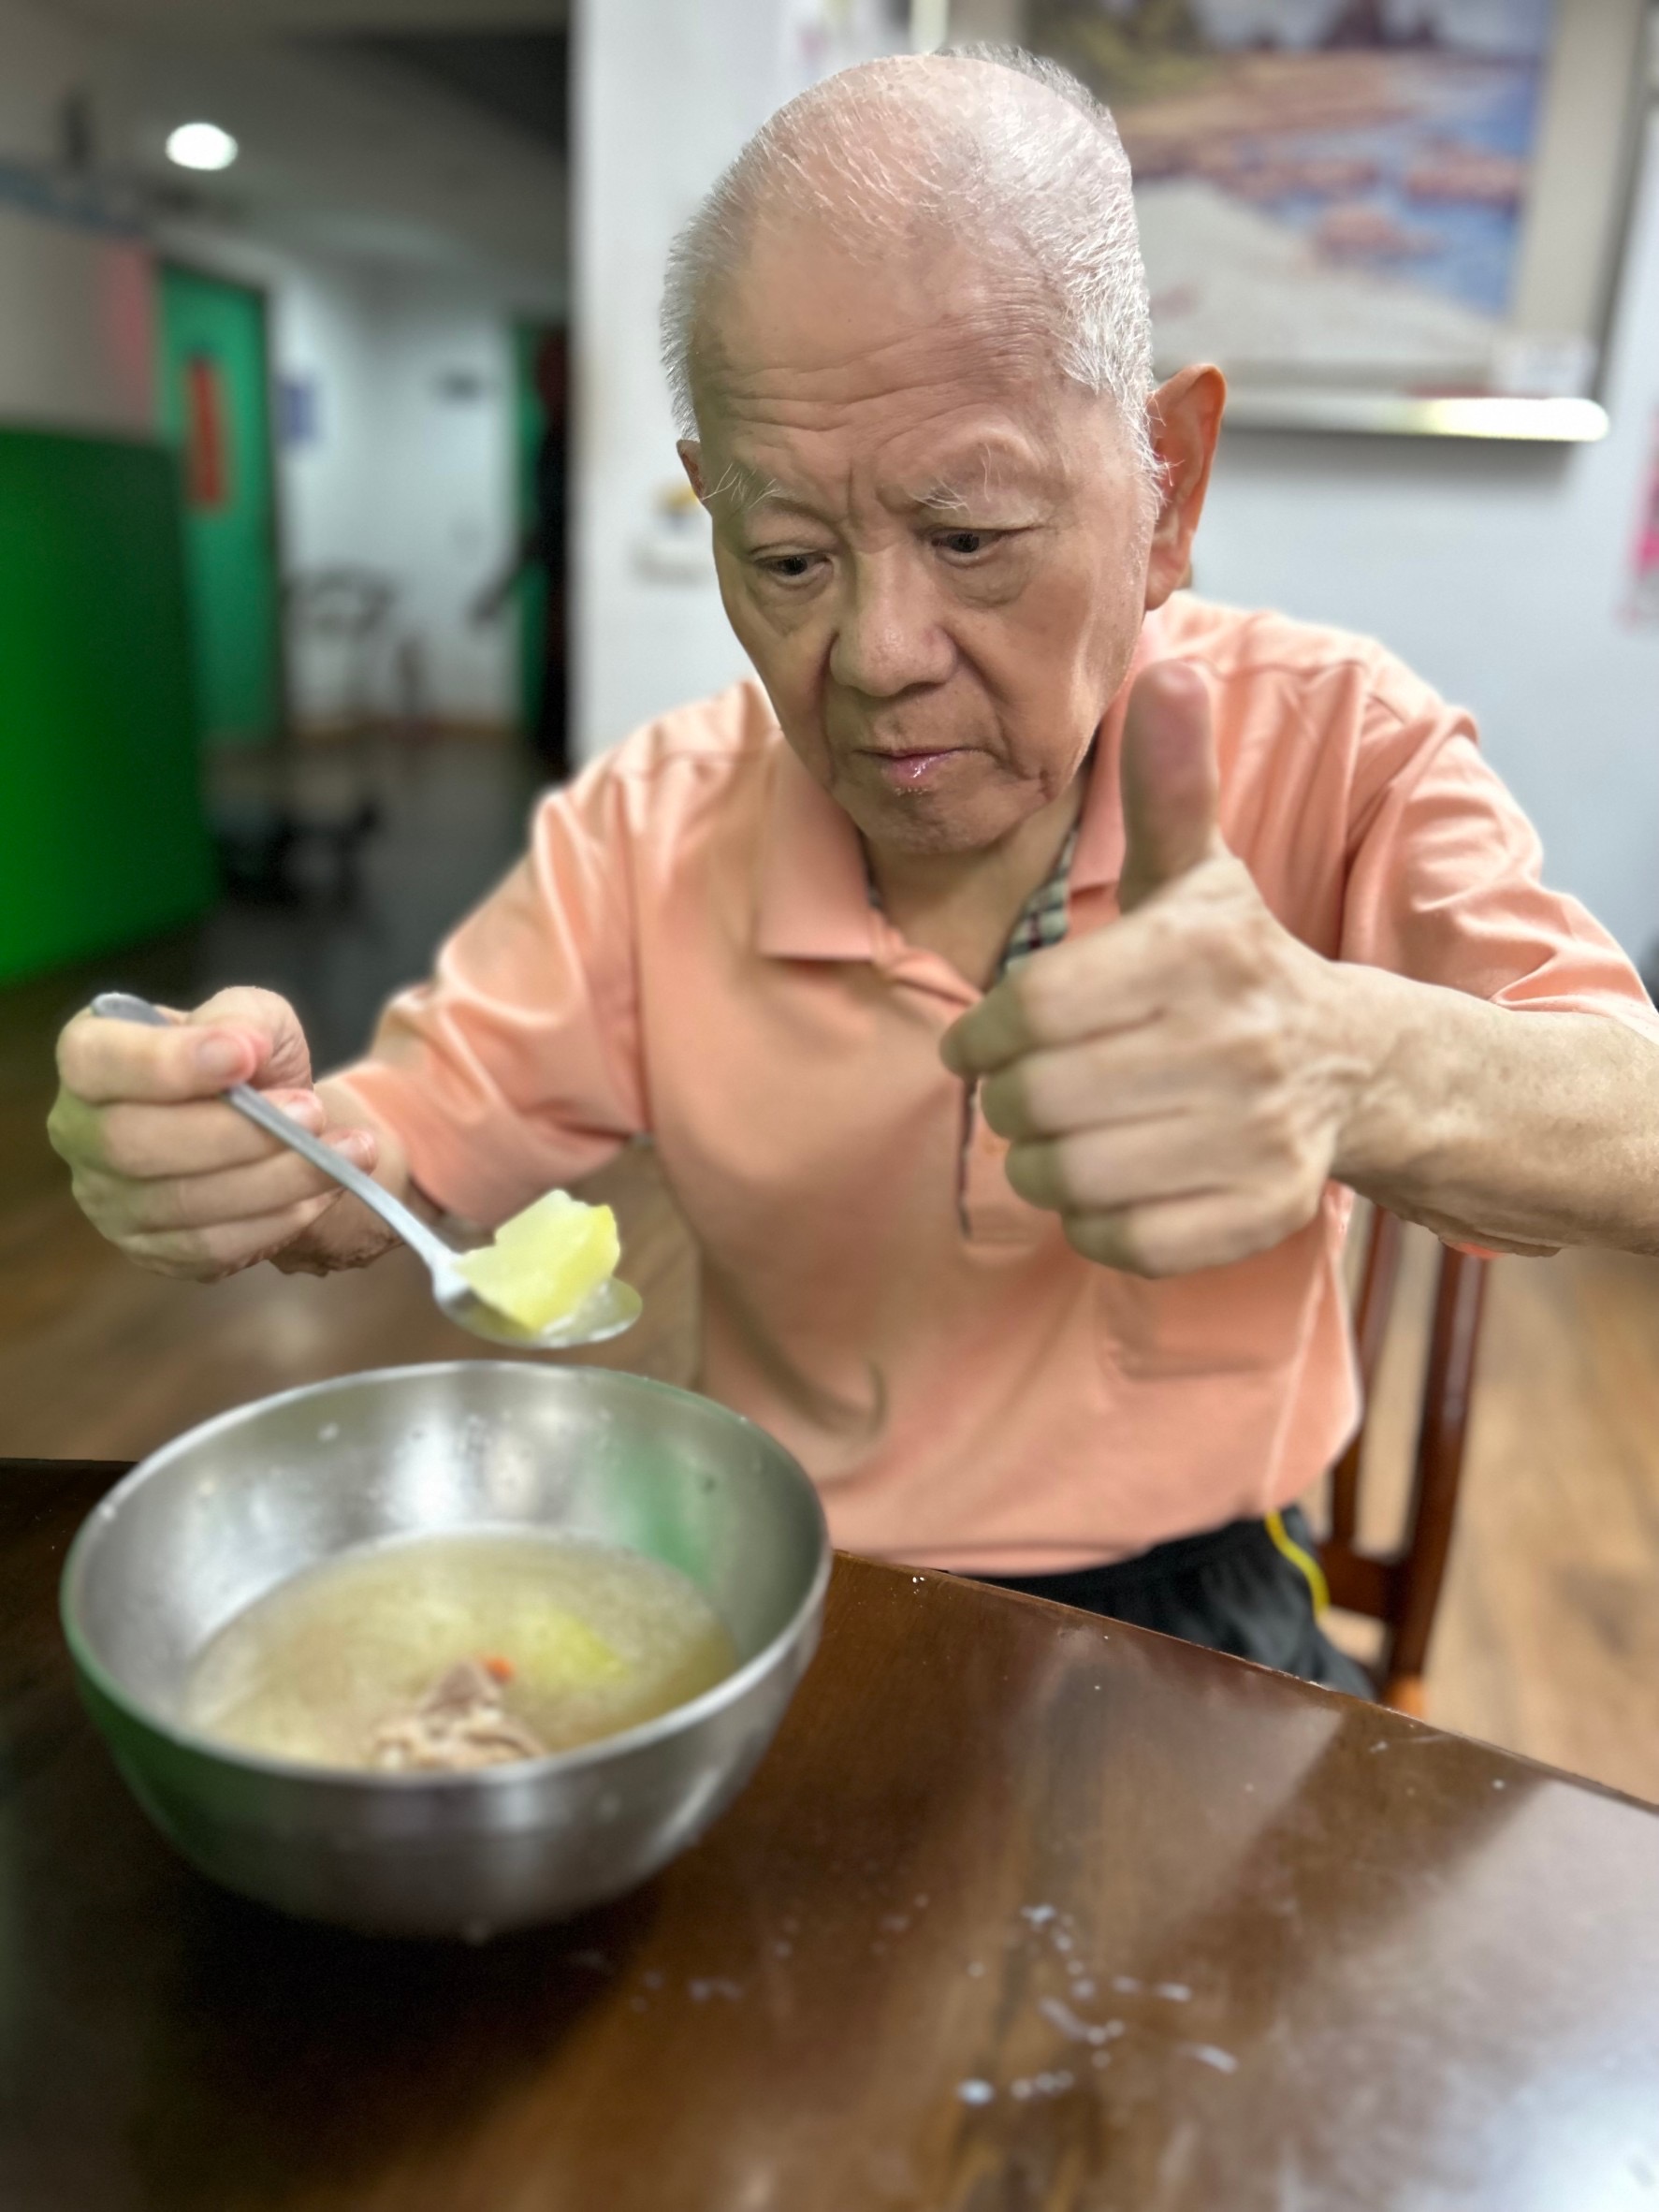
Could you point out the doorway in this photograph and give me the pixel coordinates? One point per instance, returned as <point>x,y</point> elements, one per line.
<point>216,404</point>
<point>542,363</point>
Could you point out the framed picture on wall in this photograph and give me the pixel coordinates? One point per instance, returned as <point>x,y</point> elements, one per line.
<point>1376,214</point>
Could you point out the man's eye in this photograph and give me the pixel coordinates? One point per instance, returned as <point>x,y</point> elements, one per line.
<point>789,568</point>
<point>963,545</point>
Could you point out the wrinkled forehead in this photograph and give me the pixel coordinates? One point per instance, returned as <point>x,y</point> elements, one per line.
<point>932,370</point>
<point>806,314</point>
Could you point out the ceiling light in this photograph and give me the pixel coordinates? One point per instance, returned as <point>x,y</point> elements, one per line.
<point>201,146</point>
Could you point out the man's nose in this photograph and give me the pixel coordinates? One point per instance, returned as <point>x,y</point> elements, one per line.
<point>890,638</point>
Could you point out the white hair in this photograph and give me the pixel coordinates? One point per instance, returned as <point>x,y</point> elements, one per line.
<point>1041,182</point>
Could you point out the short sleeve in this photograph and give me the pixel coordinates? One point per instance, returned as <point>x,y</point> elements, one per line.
<point>1444,876</point>
<point>517,1067</point>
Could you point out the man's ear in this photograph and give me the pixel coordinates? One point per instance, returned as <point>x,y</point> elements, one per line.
<point>1185,416</point>
<point>691,460</point>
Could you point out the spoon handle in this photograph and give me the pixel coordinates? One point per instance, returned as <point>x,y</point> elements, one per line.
<point>123,1006</point>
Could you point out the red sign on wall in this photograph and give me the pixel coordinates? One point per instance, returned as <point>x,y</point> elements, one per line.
<point>1644,558</point>
<point>207,453</point>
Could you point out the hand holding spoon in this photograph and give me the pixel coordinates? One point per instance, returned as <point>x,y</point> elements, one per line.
<point>608,1309</point>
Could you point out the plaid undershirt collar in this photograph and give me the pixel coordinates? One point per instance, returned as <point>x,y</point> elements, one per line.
<point>1042,920</point>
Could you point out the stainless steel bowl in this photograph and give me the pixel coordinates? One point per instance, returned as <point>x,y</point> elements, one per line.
<point>215,1520</point>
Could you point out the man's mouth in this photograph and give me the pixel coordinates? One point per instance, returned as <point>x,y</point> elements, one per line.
<point>912,769</point>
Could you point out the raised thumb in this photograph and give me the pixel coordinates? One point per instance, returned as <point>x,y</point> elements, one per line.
<point>1171,783</point>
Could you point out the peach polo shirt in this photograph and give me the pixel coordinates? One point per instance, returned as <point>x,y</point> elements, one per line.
<point>688,952</point>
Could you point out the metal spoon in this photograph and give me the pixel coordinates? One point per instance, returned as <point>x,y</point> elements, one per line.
<point>605,1312</point>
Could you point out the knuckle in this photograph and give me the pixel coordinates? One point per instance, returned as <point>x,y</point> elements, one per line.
<point>1065,1172</point>
<point>1211,928</point>
<point>1099,1176</point>
<point>73,1129</point>
<point>196,1250</point>
<point>124,1206</point>
<point>1000,1099</point>
<point>1280,1142</point>
<point>248,1007</point>
<point>1025,1173</point>
<point>1150,1252</point>
<point>1261,1040</point>
<point>106,1205</point>
<point>1171,931</point>
<point>59,1133</point>
<point>1087,1233</point>
<point>240,1002</point>
<point>1258,1226</point>
<point>89,1198</point>
<point>1231,962</point>
<point>1247,1235</point>
<point>177,1262</point>
<point>1032,1108</point>
<point>1021,1105</point>
<point>1114,1240</point>
<point>175,1205</point>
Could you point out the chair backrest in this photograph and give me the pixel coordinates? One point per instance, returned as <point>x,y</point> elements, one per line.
<point>1402,1590</point>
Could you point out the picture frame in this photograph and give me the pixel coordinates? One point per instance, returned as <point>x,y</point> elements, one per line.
<point>1395,216</point>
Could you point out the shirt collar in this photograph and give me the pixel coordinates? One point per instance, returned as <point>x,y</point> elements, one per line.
<point>813,905</point>
<point>814,899</point>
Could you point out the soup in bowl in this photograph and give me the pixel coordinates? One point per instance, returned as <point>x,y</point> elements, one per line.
<point>446,1650</point>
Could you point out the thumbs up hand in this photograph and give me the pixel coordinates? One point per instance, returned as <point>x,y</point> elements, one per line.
<point>1174,1085</point>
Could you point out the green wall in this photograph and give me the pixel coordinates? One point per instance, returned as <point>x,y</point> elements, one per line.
<point>229,545</point>
<point>102,835</point>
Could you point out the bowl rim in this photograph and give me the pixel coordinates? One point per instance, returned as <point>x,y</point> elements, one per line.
<point>728,1690</point>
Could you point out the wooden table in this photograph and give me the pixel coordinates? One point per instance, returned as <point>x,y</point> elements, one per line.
<point>1025,1911</point>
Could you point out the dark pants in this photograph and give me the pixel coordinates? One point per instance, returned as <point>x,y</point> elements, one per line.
<point>1232,1589</point>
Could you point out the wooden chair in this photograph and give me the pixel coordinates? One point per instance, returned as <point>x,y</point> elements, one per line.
<point>1403,1591</point>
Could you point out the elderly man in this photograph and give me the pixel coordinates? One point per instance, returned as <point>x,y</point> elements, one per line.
<point>1019,978</point>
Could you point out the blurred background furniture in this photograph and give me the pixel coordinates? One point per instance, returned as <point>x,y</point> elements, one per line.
<point>1401,1587</point>
<point>290,816</point>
